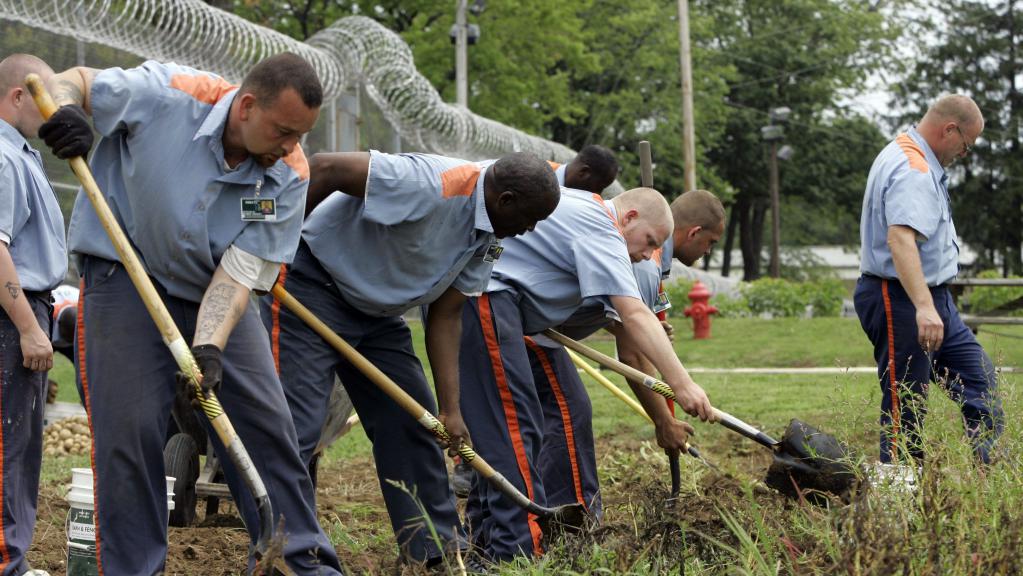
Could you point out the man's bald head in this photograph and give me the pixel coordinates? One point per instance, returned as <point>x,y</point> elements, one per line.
<point>645,219</point>
<point>16,105</point>
<point>15,67</point>
<point>951,127</point>
<point>699,223</point>
<point>954,108</point>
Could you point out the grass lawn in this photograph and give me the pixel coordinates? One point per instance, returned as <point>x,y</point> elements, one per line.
<point>964,519</point>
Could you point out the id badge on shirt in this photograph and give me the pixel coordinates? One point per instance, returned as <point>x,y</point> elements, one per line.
<point>256,209</point>
<point>662,303</point>
<point>494,251</point>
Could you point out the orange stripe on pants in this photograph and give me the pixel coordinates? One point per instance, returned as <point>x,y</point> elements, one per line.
<point>566,417</point>
<point>80,337</point>
<point>275,318</point>
<point>510,414</point>
<point>892,381</point>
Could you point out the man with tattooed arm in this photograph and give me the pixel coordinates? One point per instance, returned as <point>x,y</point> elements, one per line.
<point>209,183</point>
<point>33,261</point>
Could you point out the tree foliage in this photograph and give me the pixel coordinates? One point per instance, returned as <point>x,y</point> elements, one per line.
<point>607,72</point>
<point>978,55</point>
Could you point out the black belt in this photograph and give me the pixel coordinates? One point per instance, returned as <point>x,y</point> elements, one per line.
<point>44,295</point>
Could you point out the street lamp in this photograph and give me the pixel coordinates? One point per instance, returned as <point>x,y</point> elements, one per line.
<point>462,35</point>
<point>774,133</point>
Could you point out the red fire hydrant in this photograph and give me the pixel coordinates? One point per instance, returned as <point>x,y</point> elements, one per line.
<point>700,310</point>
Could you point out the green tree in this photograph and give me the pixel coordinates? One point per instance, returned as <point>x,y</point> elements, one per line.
<point>978,55</point>
<point>802,54</point>
<point>635,92</point>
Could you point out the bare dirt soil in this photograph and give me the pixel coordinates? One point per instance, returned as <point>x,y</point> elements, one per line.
<point>353,515</point>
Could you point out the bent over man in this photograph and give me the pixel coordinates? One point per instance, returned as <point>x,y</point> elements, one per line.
<point>585,249</point>
<point>568,462</point>
<point>404,230</point>
<point>208,182</point>
<point>33,261</point>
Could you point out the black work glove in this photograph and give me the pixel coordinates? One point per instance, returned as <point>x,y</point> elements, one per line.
<point>207,356</point>
<point>68,132</point>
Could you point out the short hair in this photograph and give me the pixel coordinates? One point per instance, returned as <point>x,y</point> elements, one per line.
<point>271,76</point>
<point>698,208</point>
<point>601,160</point>
<point>650,203</point>
<point>15,67</point>
<point>528,175</point>
<point>956,108</point>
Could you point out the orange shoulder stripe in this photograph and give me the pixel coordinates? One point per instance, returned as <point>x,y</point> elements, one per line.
<point>202,87</point>
<point>554,165</point>
<point>599,200</point>
<point>913,152</point>
<point>460,180</point>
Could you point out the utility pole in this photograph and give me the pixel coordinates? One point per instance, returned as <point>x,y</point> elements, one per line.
<point>773,133</point>
<point>686,69</point>
<point>775,213</point>
<point>461,56</point>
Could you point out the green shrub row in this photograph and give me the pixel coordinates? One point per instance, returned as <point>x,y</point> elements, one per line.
<point>769,297</point>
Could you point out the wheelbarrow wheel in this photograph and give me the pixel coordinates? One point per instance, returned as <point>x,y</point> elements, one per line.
<point>181,460</point>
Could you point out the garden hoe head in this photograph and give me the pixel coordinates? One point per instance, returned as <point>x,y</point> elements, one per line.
<point>809,463</point>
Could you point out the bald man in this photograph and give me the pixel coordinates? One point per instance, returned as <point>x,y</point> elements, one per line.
<point>585,249</point>
<point>33,261</point>
<point>909,252</point>
<point>568,461</point>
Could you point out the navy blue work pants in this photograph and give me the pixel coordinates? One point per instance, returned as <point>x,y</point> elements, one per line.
<point>404,451</point>
<point>502,410</point>
<point>960,366</point>
<point>22,397</point>
<point>568,461</point>
<point>127,374</point>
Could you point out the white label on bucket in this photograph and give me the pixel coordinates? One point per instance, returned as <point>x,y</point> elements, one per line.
<point>80,531</point>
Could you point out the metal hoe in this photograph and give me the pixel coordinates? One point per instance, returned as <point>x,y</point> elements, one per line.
<point>172,338</point>
<point>646,178</point>
<point>571,515</point>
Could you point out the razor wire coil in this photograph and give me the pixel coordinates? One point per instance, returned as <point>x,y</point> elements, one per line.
<point>354,51</point>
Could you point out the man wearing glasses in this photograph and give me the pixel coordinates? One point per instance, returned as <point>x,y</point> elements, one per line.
<point>909,252</point>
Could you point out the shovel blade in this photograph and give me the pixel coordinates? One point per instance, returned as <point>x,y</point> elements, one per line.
<point>567,518</point>
<point>809,462</point>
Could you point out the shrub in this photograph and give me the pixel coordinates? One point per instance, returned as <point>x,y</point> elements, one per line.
<point>825,295</point>
<point>774,297</point>
<point>768,296</point>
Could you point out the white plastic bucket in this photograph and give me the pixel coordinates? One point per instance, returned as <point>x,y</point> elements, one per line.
<point>81,528</point>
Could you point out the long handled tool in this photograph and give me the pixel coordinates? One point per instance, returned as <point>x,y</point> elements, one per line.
<point>636,407</point>
<point>172,338</point>
<point>646,177</point>
<point>805,457</point>
<point>572,515</point>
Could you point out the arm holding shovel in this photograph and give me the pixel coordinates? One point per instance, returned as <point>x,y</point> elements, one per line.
<point>672,434</point>
<point>443,335</point>
<point>641,327</point>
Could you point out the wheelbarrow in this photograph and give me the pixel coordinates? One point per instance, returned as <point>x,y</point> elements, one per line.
<point>194,485</point>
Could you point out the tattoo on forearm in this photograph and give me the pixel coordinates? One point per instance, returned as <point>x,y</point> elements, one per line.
<point>14,289</point>
<point>67,92</point>
<point>217,307</point>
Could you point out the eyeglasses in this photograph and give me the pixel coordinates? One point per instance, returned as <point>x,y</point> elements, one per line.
<point>967,148</point>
